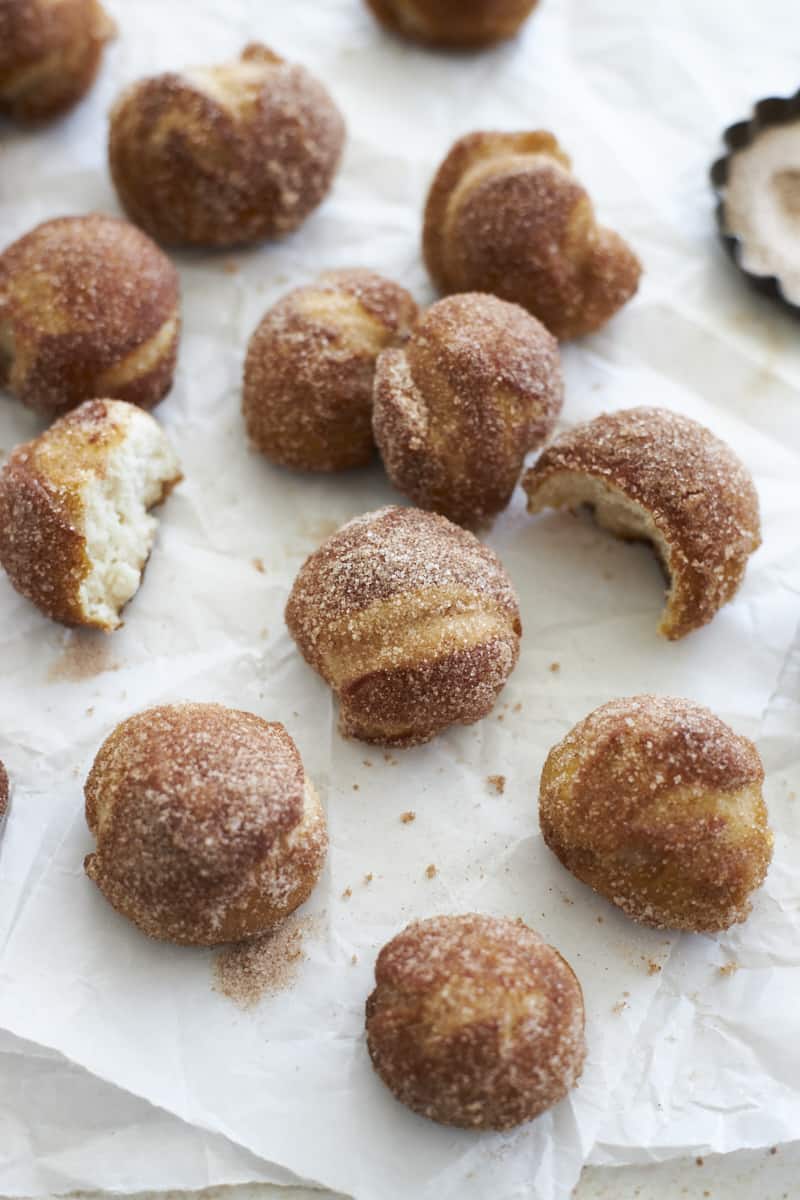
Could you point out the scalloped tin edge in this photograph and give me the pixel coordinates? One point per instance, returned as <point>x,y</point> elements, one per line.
<point>767,113</point>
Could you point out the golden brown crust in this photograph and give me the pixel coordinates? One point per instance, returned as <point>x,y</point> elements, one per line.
<point>307,397</point>
<point>227,155</point>
<point>411,621</point>
<point>656,804</point>
<point>505,215</point>
<point>453,22</point>
<point>88,306</point>
<point>207,828</point>
<point>476,387</point>
<point>50,51</point>
<point>3,791</point>
<point>42,543</point>
<point>699,497</point>
<point>475,1021</point>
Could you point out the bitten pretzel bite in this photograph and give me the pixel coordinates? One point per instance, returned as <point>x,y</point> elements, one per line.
<point>208,829</point>
<point>222,156</point>
<point>75,531</point>
<point>464,23</point>
<point>50,51</point>
<point>506,215</point>
<point>653,475</point>
<point>477,386</point>
<point>475,1021</point>
<point>412,622</point>
<point>656,804</point>
<point>89,307</point>
<point>308,377</point>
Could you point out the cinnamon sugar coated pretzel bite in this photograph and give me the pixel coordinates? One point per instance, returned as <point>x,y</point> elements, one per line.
<point>476,387</point>
<point>411,620</point>
<point>459,23</point>
<point>208,829</point>
<point>653,475</point>
<point>506,215</point>
<point>50,51</point>
<point>656,804</point>
<point>475,1021</point>
<point>308,377</point>
<point>75,527</point>
<point>89,306</point>
<point>225,155</point>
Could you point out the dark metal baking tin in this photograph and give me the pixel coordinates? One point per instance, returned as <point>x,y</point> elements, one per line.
<point>775,110</point>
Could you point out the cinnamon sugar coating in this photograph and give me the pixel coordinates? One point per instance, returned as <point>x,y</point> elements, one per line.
<point>89,306</point>
<point>506,215</point>
<point>308,377</point>
<point>207,828</point>
<point>458,407</point>
<point>49,54</point>
<point>411,620</point>
<point>3,791</point>
<point>458,23</point>
<point>656,804</point>
<point>475,1021</point>
<point>653,475</point>
<point>225,155</point>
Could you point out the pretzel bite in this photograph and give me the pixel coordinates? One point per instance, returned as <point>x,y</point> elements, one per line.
<point>506,215</point>
<point>476,387</point>
<point>656,804</point>
<point>652,475</point>
<point>50,52</point>
<point>308,377</point>
<point>225,155</point>
<point>475,1021</point>
<point>75,527</point>
<point>459,23</point>
<point>89,307</point>
<point>208,829</point>
<point>412,622</point>
<point>3,792</point>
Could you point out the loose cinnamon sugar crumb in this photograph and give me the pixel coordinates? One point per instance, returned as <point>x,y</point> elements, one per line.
<point>354,959</point>
<point>408,817</point>
<point>247,971</point>
<point>368,878</point>
<point>729,968</point>
<point>699,1162</point>
<point>85,654</point>
<point>258,563</point>
<point>356,787</point>
<point>230,267</point>
<point>555,667</point>
<point>430,871</point>
<point>347,893</point>
<point>653,967</point>
<point>619,1007</point>
<point>390,759</point>
<point>498,782</point>
<point>517,708</point>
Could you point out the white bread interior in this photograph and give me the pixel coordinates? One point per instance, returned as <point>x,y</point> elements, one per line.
<point>117,527</point>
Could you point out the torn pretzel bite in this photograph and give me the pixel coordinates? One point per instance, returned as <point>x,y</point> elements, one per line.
<point>75,525</point>
<point>652,475</point>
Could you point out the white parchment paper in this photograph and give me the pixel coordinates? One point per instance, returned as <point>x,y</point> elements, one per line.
<point>682,1059</point>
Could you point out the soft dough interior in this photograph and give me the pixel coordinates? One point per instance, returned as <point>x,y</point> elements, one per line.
<point>612,509</point>
<point>117,527</point>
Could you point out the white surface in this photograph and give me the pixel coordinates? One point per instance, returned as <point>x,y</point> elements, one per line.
<point>694,1059</point>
